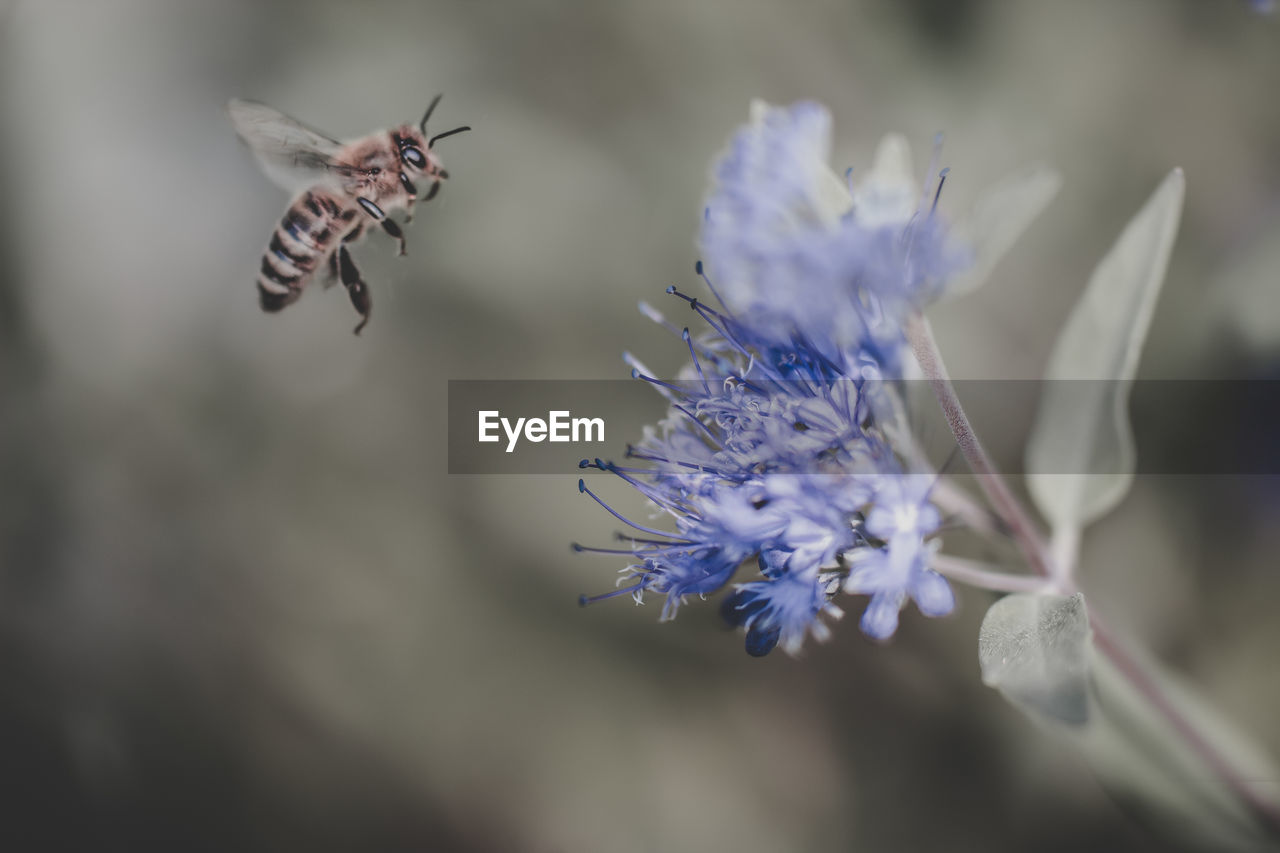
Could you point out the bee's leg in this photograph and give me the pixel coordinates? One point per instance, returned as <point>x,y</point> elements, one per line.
<point>431,193</point>
<point>381,218</point>
<point>393,229</point>
<point>331,270</point>
<point>413,196</point>
<point>356,288</point>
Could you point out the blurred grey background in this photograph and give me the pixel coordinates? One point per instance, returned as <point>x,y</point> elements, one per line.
<point>244,607</point>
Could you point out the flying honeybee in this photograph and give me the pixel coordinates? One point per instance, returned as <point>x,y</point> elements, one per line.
<point>341,188</point>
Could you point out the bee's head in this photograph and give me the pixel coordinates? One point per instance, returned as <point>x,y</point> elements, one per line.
<point>416,157</point>
<point>415,148</point>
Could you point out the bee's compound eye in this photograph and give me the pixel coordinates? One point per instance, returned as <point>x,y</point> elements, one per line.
<point>413,157</point>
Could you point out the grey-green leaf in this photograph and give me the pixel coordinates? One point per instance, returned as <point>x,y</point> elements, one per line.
<point>1080,457</point>
<point>1130,723</point>
<point>1034,650</point>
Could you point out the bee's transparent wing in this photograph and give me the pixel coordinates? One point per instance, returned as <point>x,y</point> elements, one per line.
<point>293,155</point>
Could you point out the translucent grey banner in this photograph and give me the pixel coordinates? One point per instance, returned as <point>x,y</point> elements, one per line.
<point>1180,427</point>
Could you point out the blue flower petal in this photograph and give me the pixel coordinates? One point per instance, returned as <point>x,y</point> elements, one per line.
<point>932,594</point>
<point>880,619</point>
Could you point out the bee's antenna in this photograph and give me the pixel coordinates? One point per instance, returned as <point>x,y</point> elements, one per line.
<point>433,139</point>
<point>422,125</point>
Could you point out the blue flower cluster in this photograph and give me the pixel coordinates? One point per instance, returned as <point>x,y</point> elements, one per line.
<point>783,446</point>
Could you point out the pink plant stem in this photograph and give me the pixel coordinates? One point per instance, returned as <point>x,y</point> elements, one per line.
<point>981,576</point>
<point>1021,527</point>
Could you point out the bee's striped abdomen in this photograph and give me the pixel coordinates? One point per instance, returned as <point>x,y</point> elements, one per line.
<point>300,242</point>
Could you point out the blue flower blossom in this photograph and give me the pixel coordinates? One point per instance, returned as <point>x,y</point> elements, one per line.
<point>903,519</point>
<point>780,610</point>
<point>781,446</point>
<point>794,248</point>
